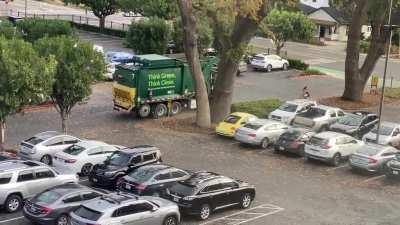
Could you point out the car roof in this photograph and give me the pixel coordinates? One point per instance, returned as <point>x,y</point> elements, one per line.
<point>109,201</point>
<point>156,167</point>
<point>362,113</point>
<point>265,122</point>
<point>201,177</point>
<point>299,129</point>
<point>241,114</point>
<point>139,149</point>
<point>87,144</point>
<point>330,134</point>
<point>300,101</point>
<point>48,134</point>
<point>69,188</point>
<point>326,107</point>
<point>12,165</point>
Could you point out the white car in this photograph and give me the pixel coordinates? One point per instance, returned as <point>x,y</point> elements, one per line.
<point>81,157</point>
<point>43,146</point>
<point>288,110</point>
<point>331,147</point>
<point>269,62</point>
<point>389,134</point>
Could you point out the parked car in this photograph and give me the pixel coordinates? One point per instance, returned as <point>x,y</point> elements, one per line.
<point>122,162</point>
<point>261,132</point>
<point>318,118</point>
<point>232,122</point>
<point>52,207</point>
<point>119,208</point>
<point>293,140</point>
<point>206,192</point>
<point>372,157</point>
<point>151,179</point>
<point>242,67</point>
<point>43,146</point>
<point>392,169</point>
<point>80,158</point>
<point>288,110</point>
<point>269,62</point>
<point>355,124</point>
<point>4,156</point>
<point>389,134</point>
<point>331,147</point>
<point>20,180</point>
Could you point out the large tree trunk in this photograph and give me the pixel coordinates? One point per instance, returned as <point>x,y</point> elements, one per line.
<point>64,121</point>
<point>192,54</point>
<point>102,22</point>
<point>2,134</point>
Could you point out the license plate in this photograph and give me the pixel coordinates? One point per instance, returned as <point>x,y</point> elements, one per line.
<point>127,186</point>
<point>395,172</point>
<point>176,199</point>
<point>95,180</point>
<point>281,148</point>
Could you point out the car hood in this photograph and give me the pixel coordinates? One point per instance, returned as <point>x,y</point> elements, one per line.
<point>342,127</point>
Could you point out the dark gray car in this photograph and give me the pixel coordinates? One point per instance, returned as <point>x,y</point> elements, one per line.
<point>52,206</point>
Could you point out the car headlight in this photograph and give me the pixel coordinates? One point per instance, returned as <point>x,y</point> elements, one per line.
<point>188,198</point>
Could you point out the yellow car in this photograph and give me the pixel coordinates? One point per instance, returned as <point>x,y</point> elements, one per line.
<point>234,121</point>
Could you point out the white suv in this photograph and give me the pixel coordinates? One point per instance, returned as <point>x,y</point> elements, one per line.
<point>331,147</point>
<point>269,62</point>
<point>288,110</point>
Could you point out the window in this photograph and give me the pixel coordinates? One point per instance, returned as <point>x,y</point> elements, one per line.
<point>332,114</point>
<point>212,188</point>
<point>87,213</point>
<point>136,160</point>
<point>54,142</point>
<point>90,195</point>
<point>163,176</point>
<point>340,113</point>
<point>44,173</point>
<point>5,178</point>
<point>25,176</point>
<point>148,157</point>
<point>229,185</point>
<point>48,197</point>
<point>178,174</point>
<point>95,151</point>
<point>68,140</point>
<point>73,198</point>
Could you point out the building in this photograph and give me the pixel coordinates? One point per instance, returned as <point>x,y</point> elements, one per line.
<point>316,3</point>
<point>331,24</point>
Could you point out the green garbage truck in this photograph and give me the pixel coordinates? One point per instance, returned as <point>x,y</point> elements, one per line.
<point>156,85</point>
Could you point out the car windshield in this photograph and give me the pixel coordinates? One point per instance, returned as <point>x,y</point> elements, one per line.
<point>287,107</point>
<point>260,58</point>
<point>48,197</point>
<point>369,150</point>
<point>87,213</point>
<point>142,175</point>
<point>34,140</point>
<point>385,130</point>
<point>119,158</point>
<point>350,120</point>
<point>253,126</point>
<point>74,150</point>
<point>183,189</point>
<point>318,141</point>
<point>232,119</point>
<point>291,135</point>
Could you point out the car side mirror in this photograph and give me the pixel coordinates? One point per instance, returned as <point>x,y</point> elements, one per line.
<point>155,208</point>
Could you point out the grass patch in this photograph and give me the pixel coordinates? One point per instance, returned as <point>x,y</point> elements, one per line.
<point>392,93</point>
<point>260,108</point>
<point>309,72</point>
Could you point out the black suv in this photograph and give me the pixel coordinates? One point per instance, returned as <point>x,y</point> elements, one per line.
<point>355,124</point>
<point>205,192</point>
<point>122,162</point>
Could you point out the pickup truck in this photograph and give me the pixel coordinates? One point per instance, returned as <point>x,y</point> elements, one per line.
<point>318,118</point>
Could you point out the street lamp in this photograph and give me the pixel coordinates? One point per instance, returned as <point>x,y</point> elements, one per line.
<point>388,47</point>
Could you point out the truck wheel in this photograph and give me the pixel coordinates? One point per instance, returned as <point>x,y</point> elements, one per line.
<point>160,110</point>
<point>176,108</point>
<point>144,110</point>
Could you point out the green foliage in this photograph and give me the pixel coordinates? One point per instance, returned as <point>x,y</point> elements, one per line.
<point>298,64</point>
<point>78,65</point>
<point>107,31</point>
<point>34,29</point>
<point>392,93</point>
<point>364,46</point>
<point>7,29</point>
<point>148,36</point>
<point>204,33</point>
<point>25,77</point>
<point>259,108</point>
<point>166,9</point>
<point>312,72</point>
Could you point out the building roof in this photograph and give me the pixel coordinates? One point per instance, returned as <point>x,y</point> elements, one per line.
<point>306,9</point>
<point>339,16</point>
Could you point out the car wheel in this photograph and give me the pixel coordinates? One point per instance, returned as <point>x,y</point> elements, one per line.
<point>13,203</point>
<point>285,66</point>
<point>336,159</point>
<point>86,169</point>
<point>176,108</point>
<point>205,212</point>
<point>269,68</point>
<point>63,220</point>
<point>170,220</point>
<point>264,143</point>
<point>144,110</point>
<point>160,110</point>
<point>245,201</point>
<point>46,159</point>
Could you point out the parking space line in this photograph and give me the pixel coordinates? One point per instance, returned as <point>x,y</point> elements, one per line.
<point>373,178</point>
<point>9,220</point>
<point>257,217</point>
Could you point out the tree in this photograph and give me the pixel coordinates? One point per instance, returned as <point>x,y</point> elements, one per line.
<point>100,8</point>
<point>78,65</point>
<point>24,78</point>
<point>362,12</point>
<point>148,36</point>
<point>282,26</point>
<point>166,9</point>
<point>190,41</point>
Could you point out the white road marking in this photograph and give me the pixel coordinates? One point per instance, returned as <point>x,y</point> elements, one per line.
<point>9,220</point>
<point>275,209</point>
<point>373,178</point>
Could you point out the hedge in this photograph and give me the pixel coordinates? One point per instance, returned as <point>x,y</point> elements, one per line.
<point>34,28</point>
<point>107,31</point>
<point>298,64</point>
<point>260,108</point>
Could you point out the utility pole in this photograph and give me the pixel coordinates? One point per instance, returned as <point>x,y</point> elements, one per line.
<point>26,7</point>
<point>388,47</point>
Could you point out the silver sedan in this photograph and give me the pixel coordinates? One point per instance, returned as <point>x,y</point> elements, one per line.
<point>372,157</point>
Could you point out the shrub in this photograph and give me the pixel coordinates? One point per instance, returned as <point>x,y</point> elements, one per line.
<point>107,31</point>
<point>148,36</point>
<point>312,72</point>
<point>392,93</point>
<point>33,29</point>
<point>7,29</point>
<point>364,46</point>
<point>260,108</point>
<point>298,64</point>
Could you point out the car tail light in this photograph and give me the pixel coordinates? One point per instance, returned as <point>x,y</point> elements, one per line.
<point>326,146</point>
<point>372,160</point>
<point>70,160</point>
<point>252,135</point>
<point>140,187</point>
<point>45,210</point>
